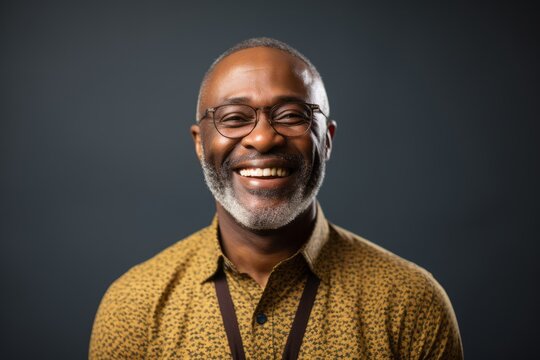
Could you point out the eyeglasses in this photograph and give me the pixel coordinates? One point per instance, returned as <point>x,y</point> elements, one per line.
<point>288,119</point>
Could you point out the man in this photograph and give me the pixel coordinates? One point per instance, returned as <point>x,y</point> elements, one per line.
<point>271,278</point>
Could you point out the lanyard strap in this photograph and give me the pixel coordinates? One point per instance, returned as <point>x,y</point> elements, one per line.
<point>294,341</point>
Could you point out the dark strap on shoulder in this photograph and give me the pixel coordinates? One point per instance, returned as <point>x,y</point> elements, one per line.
<point>296,335</point>
<point>229,316</point>
<point>294,341</point>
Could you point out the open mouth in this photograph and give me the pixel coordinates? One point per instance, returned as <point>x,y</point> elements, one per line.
<point>269,172</point>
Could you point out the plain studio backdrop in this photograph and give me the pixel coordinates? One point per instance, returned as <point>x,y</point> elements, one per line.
<point>435,156</point>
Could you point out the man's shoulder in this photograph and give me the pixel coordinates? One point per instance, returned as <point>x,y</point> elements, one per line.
<point>395,294</point>
<point>181,258</point>
<point>372,266</point>
<point>125,312</point>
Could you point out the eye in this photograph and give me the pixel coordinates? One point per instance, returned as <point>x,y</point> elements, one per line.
<point>235,120</point>
<point>290,118</point>
<point>234,116</point>
<point>292,114</point>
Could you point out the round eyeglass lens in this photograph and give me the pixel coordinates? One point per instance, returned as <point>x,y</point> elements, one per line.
<point>235,121</point>
<point>291,119</point>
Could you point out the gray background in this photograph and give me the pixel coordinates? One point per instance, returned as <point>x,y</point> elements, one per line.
<point>435,155</point>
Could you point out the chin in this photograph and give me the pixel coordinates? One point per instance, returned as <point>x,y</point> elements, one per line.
<point>264,217</point>
<point>264,213</point>
<point>264,199</point>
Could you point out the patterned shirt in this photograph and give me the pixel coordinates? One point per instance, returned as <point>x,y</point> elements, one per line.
<point>371,304</point>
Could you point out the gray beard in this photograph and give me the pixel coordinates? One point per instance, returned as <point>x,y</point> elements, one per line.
<point>300,196</point>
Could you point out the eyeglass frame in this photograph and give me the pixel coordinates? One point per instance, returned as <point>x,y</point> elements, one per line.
<point>313,107</point>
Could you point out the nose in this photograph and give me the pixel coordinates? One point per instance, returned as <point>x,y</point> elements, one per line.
<point>263,137</point>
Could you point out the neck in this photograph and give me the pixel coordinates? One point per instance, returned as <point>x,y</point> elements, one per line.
<point>256,252</point>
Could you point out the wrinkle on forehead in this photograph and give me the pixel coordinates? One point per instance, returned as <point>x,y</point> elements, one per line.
<point>250,69</point>
<point>246,81</point>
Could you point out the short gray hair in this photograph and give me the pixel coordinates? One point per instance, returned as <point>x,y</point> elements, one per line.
<point>252,43</point>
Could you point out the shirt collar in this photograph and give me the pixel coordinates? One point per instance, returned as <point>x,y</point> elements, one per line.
<point>212,257</point>
<point>313,247</point>
<point>210,252</point>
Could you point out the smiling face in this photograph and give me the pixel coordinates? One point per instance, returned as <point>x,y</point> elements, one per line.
<point>264,180</point>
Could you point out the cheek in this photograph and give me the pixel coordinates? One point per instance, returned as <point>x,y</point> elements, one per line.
<point>307,147</point>
<point>216,148</point>
<point>221,144</point>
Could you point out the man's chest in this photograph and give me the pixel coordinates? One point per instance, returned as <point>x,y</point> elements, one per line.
<point>189,324</point>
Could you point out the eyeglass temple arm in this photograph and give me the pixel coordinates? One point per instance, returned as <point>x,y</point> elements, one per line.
<point>315,107</point>
<point>206,114</point>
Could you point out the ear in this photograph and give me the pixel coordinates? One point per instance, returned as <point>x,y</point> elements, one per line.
<point>196,135</point>
<point>330,131</point>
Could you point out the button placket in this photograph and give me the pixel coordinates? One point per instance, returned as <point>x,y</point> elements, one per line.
<point>263,340</point>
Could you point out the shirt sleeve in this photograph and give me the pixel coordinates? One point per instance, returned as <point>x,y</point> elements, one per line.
<point>435,334</point>
<point>120,326</point>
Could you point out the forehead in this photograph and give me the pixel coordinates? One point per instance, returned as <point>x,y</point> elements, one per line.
<point>259,75</point>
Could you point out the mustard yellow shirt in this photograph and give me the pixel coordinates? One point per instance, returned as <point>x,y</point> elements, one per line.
<point>371,304</point>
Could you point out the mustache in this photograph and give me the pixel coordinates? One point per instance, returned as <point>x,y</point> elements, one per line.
<point>295,160</point>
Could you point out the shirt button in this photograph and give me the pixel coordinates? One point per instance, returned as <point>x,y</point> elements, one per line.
<point>261,318</point>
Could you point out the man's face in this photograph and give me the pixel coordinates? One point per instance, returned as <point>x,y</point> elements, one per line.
<point>292,168</point>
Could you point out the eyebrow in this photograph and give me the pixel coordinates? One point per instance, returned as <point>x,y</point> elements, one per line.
<point>246,100</point>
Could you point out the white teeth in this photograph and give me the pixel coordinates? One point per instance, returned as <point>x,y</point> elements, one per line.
<point>264,172</point>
